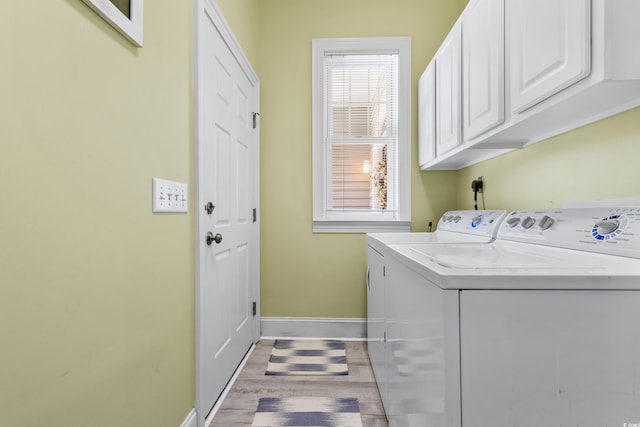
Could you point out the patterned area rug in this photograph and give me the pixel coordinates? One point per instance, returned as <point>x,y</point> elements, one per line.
<point>295,357</point>
<point>307,411</point>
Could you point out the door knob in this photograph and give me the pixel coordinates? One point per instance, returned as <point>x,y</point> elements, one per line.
<point>211,238</point>
<point>209,207</point>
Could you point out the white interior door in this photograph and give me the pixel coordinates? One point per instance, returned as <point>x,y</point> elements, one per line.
<point>227,227</point>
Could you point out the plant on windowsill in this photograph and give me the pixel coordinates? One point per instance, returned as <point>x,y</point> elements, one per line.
<point>379,178</point>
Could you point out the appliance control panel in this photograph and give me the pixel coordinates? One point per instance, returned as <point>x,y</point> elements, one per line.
<point>480,223</point>
<point>606,230</point>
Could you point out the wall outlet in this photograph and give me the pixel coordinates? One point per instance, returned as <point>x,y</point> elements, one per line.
<point>477,185</point>
<point>169,196</point>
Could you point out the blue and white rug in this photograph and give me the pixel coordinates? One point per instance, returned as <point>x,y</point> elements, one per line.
<point>307,411</point>
<point>302,357</point>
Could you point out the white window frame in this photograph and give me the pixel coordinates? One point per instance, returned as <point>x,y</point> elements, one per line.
<point>350,222</point>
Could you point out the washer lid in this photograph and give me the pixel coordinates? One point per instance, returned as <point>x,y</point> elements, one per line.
<point>513,259</point>
<point>437,237</point>
<point>505,256</point>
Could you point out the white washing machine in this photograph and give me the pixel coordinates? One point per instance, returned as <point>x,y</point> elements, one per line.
<point>539,328</point>
<point>454,227</point>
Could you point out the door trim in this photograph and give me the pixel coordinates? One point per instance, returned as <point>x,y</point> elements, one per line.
<point>214,15</point>
<point>227,35</point>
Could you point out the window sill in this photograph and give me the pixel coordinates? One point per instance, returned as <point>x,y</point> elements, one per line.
<point>341,226</point>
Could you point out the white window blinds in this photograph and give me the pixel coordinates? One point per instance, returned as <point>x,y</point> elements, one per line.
<point>361,127</point>
<point>361,132</point>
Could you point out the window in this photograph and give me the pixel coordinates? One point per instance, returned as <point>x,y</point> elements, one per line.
<point>361,134</point>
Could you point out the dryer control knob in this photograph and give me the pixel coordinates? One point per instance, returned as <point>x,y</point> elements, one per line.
<point>546,222</point>
<point>607,226</point>
<point>528,222</point>
<point>513,221</point>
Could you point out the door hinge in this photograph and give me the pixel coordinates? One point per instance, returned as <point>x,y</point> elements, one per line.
<point>255,214</point>
<point>254,308</point>
<point>255,119</point>
<point>384,271</point>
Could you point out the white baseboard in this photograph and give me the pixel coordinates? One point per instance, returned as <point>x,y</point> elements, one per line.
<point>191,420</point>
<point>305,327</point>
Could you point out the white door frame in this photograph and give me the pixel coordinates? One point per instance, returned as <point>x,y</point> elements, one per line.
<point>214,15</point>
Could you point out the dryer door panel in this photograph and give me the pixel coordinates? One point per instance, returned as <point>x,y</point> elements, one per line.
<point>543,358</point>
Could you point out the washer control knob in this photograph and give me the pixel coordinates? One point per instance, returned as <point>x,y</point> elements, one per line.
<point>546,222</point>
<point>528,222</point>
<point>457,219</point>
<point>607,226</point>
<point>513,222</point>
<point>476,221</point>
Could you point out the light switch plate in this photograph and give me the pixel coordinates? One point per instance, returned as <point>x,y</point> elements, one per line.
<point>169,196</point>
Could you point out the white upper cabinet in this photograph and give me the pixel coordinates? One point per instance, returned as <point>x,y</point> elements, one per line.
<point>531,69</point>
<point>448,82</point>
<point>482,67</point>
<point>550,48</point>
<point>427,115</point>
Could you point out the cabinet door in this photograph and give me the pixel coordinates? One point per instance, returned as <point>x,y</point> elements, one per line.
<point>376,321</point>
<point>550,48</point>
<point>482,67</point>
<point>448,82</point>
<point>427,115</point>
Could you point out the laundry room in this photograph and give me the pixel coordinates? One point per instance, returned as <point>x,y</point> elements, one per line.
<point>103,316</point>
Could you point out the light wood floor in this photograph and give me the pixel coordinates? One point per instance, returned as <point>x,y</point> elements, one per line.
<point>239,407</point>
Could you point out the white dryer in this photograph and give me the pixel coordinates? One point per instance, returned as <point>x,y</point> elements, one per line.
<point>541,327</point>
<point>454,227</point>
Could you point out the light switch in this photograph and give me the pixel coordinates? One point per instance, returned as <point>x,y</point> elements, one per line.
<point>169,196</point>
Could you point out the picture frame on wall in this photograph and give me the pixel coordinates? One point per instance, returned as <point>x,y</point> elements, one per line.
<point>124,15</point>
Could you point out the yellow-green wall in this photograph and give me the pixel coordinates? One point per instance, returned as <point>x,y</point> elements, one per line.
<point>96,292</point>
<point>323,275</point>
<point>598,161</point>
